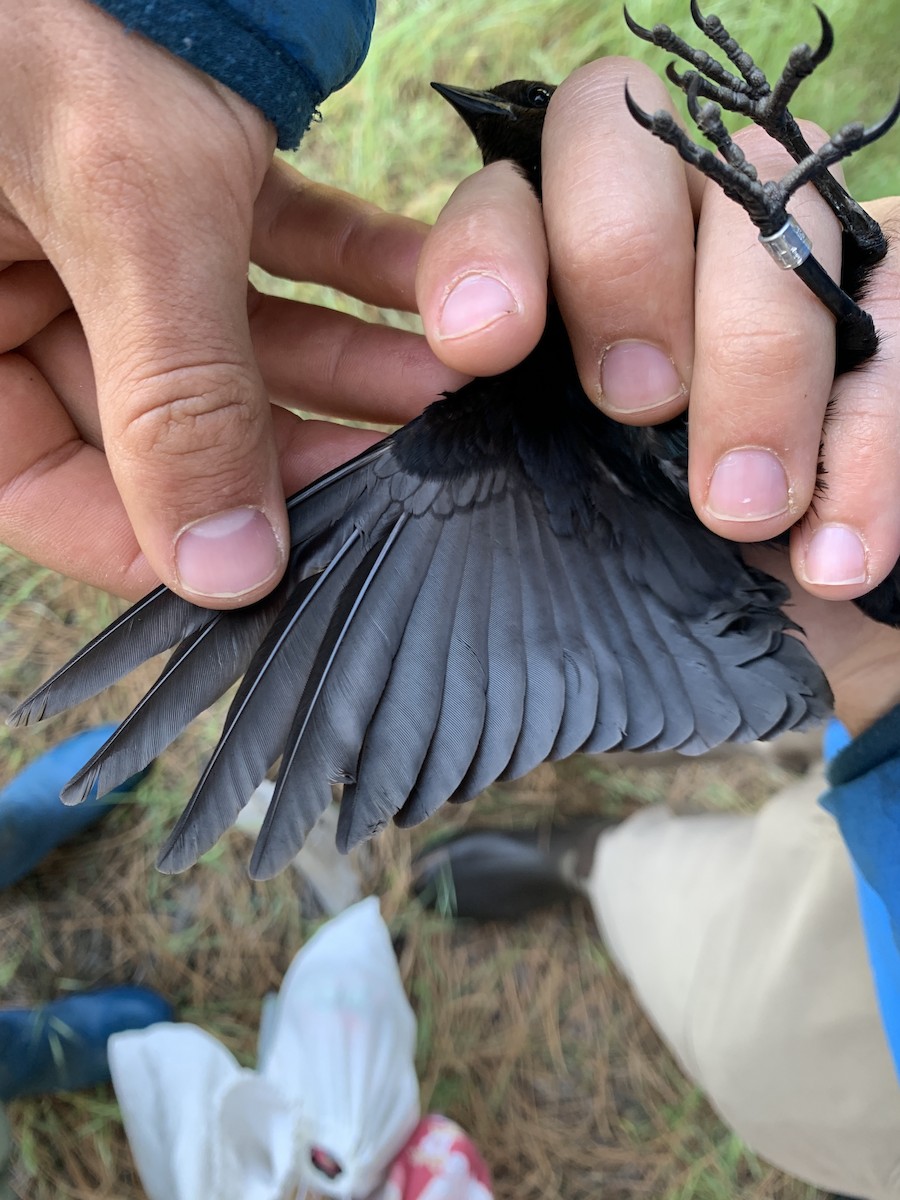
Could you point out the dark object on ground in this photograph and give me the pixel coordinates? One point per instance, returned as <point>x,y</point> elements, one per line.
<point>33,821</point>
<point>512,577</point>
<point>61,1046</point>
<point>505,874</point>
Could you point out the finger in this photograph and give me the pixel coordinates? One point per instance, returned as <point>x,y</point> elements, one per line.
<point>621,232</point>
<point>17,242</point>
<point>310,358</point>
<point>308,449</point>
<point>482,279</point>
<point>307,231</point>
<point>44,465</point>
<point>185,416</point>
<point>350,368</point>
<point>60,353</point>
<point>31,295</point>
<point>850,538</point>
<point>764,361</point>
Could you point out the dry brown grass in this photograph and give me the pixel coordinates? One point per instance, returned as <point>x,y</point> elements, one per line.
<point>526,1034</point>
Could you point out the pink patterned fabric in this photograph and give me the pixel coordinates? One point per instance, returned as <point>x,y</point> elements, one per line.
<point>439,1162</point>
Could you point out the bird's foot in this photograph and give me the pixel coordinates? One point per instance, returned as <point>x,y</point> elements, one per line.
<point>711,87</point>
<point>749,93</point>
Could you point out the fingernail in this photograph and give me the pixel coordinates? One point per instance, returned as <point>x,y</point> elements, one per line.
<point>636,377</point>
<point>227,555</point>
<point>474,303</point>
<point>749,484</point>
<point>835,554</point>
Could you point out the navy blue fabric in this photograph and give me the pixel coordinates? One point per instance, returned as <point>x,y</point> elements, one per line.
<point>284,56</point>
<point>865,800</point>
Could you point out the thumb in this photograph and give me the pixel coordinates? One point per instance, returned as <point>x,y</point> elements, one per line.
<point>186,419</point>
<point>151,237</point>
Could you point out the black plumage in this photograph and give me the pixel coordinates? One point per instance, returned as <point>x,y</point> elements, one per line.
<point>511,577</point>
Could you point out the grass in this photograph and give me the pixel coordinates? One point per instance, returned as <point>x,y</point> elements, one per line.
<point>378,132</point>
<point>526,1034</point>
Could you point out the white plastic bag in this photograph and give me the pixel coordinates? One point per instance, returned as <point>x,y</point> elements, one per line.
<point>343,1023</point>
<point>335,1088</point>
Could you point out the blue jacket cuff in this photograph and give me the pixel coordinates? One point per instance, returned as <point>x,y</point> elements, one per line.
<point>876,745</point>
<point>284,56</point>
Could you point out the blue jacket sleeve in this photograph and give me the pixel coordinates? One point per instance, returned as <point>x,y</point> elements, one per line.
<point>284,56</point>
<point>864,797</point>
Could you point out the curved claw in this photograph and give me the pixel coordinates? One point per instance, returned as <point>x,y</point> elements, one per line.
<point>874,132</point>
<point>826,44</point>
<point>693,94</point>
<point>642,118</point>
<point>637,30</point>
<point>673,75</point>
<point>699,19</point>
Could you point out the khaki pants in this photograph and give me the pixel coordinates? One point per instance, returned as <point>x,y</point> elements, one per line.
<point>741,938</point>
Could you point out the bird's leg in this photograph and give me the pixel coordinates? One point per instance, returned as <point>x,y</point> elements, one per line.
<point>749,93</point>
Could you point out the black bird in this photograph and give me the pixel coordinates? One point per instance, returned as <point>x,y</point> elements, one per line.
<point>509,578</point>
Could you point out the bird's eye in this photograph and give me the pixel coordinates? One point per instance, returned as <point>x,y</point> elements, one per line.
<point>538,96</point>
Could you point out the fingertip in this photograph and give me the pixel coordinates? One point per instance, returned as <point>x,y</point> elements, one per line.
<point>231,557</point>
<point>483,327</point>
<point>639,383</point>
<point>836,560</point>
<point>749,496</point>
<point>473,304</point>
<point>482,279</point>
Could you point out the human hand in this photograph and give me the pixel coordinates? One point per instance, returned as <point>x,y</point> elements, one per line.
<point>860,657</point>
<point>133,190</point>
<point>653,320</point>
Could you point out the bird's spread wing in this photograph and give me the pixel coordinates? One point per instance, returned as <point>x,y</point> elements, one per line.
<point>463,601</point>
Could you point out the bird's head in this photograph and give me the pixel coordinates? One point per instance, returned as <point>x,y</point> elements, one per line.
<point>506,121</point>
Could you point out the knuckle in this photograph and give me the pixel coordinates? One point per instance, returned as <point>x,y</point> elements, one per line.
<point>109,169</point>
<point>351,242</point>
<point>759,355</point>
<point>766,155</point>
<point>195,412</point>
<point>604,258</point>
<point>861,439</point>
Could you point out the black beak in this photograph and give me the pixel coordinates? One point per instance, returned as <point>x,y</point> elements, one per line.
<point>471,104</point>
